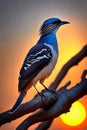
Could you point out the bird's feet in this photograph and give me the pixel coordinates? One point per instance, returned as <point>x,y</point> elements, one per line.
<point>41,94</point>
<point>49,90</point>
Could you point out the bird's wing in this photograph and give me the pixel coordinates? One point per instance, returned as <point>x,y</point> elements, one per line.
<point>37,58</point>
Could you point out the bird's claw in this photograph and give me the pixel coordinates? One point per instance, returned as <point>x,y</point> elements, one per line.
<point>42,96</point>
<point>50,90</point>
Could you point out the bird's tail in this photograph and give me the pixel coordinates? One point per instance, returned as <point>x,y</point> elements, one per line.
<point>18,102</point>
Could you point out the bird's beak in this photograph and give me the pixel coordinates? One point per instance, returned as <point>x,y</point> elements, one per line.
<point>65,22</point>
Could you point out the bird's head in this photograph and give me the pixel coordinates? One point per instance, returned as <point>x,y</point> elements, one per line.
<point>51,25</point>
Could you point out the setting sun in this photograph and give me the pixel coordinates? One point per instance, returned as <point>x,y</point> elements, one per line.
<point>76,115</point>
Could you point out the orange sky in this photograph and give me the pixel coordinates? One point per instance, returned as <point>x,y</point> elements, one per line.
<point>19,32</point>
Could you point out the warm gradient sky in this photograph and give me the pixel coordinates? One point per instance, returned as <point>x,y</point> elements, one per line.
<point>20,21</point>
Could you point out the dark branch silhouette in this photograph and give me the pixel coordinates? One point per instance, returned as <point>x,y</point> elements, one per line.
<point>72,62</point>
<point>53,103</point>
<point>65,98</point>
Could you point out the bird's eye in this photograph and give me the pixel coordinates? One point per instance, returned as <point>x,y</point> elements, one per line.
<point>56,22</point>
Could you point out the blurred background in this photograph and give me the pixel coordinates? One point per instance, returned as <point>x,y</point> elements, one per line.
<point>20,21</point>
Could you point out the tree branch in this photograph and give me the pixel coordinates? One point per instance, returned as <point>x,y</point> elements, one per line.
<point>50,99</point>
<point>44,125</point>
<point>72,62</point>
<point>62,105</point>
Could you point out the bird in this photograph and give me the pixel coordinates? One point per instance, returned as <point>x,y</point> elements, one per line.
<point>40,60</point>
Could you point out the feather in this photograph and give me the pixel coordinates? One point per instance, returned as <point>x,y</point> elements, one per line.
<point>18,102</point>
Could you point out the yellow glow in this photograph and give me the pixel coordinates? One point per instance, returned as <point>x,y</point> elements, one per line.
<point>76,115</point>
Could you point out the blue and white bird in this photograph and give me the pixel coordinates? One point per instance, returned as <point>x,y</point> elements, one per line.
<point>40,60</point>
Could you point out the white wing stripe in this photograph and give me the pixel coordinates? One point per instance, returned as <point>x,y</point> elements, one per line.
<point>34,61</point>
<point>38,52</point>
<point>42,57</point>
<point>28,65</point>
<point>25,68</point>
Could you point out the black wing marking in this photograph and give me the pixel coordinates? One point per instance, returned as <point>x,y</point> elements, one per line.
<point>37,58</point>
